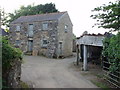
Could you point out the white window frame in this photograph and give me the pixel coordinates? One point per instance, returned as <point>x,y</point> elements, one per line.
<point>66,28</point>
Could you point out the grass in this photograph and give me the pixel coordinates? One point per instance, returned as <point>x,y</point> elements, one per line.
<point>24,85</point>
<point>101,85</point>
<point>99,76</point>
<point>100,81</point>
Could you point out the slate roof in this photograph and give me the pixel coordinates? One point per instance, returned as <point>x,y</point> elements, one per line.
<point>39,17</point>
<point>3,32</point>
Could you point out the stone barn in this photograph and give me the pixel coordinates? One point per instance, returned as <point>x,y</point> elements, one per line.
<point>47,34</point>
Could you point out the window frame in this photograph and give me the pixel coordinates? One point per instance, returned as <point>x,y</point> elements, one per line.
<point>18,29</point>
<point>66,28</point>
<point>44,26</point>
<point>44,45</point>
<point>17,42</point>
<point>30,31</point>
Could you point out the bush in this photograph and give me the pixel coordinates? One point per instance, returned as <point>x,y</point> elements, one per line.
<point>9,54</point>
<point>111,50</point>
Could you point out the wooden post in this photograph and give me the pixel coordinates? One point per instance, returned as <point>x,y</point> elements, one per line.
<point>80,53</point>
<point>85,58</point>
<point>77,62</point>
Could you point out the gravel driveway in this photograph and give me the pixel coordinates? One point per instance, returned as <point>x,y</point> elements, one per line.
<point>42,72</point>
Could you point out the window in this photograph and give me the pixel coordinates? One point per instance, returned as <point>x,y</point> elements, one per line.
<point>66,28</point>
<point>17,28</point>
<point>44,43</point>
<point>45,26</point>
<point>17,43</point>
<point>17,36</point>
<point>30,30</point>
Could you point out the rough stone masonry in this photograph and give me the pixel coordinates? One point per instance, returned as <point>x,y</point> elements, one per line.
<point>47,34</point>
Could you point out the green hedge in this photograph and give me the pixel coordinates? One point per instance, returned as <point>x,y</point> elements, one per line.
<point>9,54</point>
<point>111,50</point>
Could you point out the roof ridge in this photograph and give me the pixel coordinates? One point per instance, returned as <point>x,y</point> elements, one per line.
<point>40,17</point>
<point>44,14</point>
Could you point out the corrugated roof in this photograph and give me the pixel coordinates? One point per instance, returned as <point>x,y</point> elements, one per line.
<point>39,17</point>
<point>91,39</point>
<point>90,35</point>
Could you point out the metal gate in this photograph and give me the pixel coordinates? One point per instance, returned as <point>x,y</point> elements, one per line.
<point>113,78</point>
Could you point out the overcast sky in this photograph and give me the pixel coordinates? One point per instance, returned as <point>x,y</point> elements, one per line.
<point>78,10</point>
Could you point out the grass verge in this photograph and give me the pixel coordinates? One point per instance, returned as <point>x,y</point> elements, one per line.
<point>101,85</point>
<point>24,85</point>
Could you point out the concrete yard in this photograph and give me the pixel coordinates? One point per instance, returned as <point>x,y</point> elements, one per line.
<point>42,72</point>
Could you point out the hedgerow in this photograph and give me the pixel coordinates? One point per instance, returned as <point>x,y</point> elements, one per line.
<point>111,50</point>
<point>9,54</point>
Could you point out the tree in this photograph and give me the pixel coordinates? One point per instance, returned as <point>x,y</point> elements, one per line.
<point>109,16</point>
<point>32,10</point>
<point>3,18</point>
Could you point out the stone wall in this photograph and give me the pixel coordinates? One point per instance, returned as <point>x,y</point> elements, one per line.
<point>65,37</point>
<point>11,77</point>
<point>53,40</point>
<point>39,34</point>
<point>74,46</point>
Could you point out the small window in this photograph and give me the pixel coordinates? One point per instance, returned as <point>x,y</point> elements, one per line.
<point>66,28</point>
<point>17,43</point>
<point>30,30</point>
<point>45,26</point>
<point>44,43</point>
<point>17,28</point>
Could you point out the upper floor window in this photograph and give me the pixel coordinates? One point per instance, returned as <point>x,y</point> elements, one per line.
<point>17,28</point>
<point>30,30</point>
<point>45,26</point>
<point>66,28</point>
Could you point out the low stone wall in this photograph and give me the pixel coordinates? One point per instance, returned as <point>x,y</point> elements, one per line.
<point>11,77</point>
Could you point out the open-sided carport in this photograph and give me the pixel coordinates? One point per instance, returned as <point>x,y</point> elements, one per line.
<point>89,47</point>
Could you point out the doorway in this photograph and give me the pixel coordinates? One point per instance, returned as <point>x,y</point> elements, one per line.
<point>30,45</point>
<point>60,50</point>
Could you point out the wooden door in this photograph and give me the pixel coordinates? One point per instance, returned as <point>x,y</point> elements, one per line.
<point>30,45</point>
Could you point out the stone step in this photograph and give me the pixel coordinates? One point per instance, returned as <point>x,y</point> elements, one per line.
<point>28,53</point>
